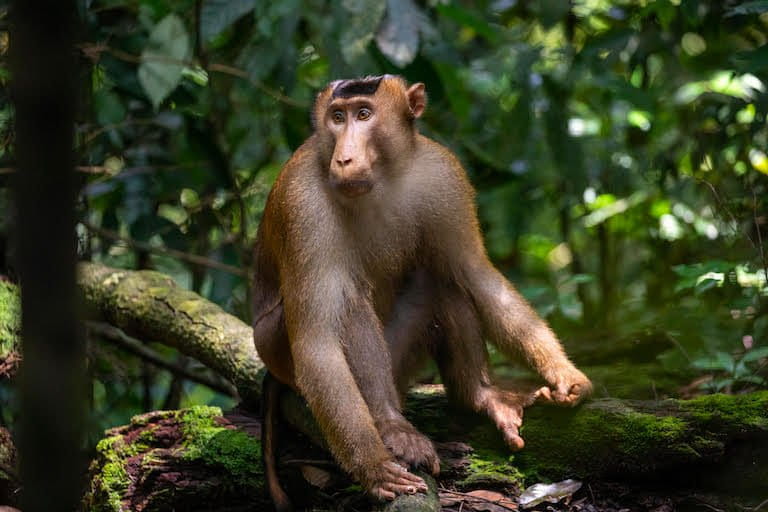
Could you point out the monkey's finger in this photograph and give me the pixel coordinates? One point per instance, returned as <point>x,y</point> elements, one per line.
<point>513,439</point>
<point>435,469</point>
<point>543,393</point>
<point>562,394</point>
<point>398,474</point>
<point>431,464</point>
<point>581,390</point>
<point>401,485</point>
<point>383,494</point>
<point>405,489</point>
<point>411,480</point>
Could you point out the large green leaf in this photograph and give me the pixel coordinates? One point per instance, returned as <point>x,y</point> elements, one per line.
<point>756,7</point>
<point>363,18</point>
<point>163,59</point>
<point>398,35</point>
<point>470,19</point>
<point>217,15</point>
<point>753,60</point>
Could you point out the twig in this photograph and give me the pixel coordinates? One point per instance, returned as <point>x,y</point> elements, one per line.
<point>93,51</point>
<point>111,126</point>
<point>727,210</point>
<point>137,348</point>
<point>473,497</point>
<point>707,505</point>
<point>760,246</point>
<point>755,508</point>
<point>229,70</point>
<point>87,169</point>
<point>184,256</point>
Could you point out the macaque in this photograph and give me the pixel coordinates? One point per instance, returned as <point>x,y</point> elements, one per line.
<point>369,259</point>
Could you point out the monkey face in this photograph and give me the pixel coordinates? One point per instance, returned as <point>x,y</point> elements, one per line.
<point>353,124</point>
<point>366,126</point>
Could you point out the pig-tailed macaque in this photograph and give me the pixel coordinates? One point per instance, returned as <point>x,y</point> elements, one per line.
<point>369,257</point>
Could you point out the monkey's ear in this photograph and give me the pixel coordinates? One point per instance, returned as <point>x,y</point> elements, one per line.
<point>417,99</point>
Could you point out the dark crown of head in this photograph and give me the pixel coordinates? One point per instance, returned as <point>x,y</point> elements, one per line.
<point>357,87</point>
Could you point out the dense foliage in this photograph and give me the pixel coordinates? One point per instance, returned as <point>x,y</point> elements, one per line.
<point>618,149</point>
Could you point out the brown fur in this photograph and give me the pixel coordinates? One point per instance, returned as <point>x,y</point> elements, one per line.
<point>370,255</point>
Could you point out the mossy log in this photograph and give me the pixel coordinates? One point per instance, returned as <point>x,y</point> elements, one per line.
<point>10,328</point>
<point>200,457</point>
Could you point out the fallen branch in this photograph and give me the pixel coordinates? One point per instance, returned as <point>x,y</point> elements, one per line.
<point>137,348</point>
<point>151,306</point>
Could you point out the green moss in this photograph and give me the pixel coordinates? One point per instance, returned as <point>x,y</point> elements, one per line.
<point>642,431</point>
<point>238,452</point>
<point>198,439</point>
<point>591,438</point>
<point>491,467</point>
<point>112,479</point>
<point>742,411</point>
<point>10,317</point>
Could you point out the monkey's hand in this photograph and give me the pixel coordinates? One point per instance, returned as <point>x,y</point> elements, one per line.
<point>505,408</point>
<point>389,479</point>
<point>570,388</point>
<point>408,445</point>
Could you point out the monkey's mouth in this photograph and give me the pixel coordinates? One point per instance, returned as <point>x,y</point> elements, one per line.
<point>353,188</point>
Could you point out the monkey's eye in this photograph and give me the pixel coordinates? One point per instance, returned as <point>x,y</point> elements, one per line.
<point>338,116</point>
<point>364,114</point>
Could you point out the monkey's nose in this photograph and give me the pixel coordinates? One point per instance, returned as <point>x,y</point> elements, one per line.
<point>343,161</point>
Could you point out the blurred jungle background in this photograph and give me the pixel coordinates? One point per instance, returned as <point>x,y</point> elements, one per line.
<point>618,149</point>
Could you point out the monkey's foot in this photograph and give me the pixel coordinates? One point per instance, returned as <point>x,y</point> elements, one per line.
<point>408,445</point>
<point>505,408</point>
<point>390,479</point>
<point>569,389</point>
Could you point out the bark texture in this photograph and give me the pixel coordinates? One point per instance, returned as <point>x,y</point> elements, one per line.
<point>151,306</point>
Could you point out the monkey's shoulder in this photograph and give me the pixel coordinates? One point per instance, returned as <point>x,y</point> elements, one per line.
<point>302,164</point>
<point>441,167</point>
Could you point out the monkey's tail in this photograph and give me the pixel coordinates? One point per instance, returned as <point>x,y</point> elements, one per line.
<point>270,413</point>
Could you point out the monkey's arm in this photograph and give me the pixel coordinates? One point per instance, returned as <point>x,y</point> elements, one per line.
<point>508,320</point>
<point>315,313</point>
<point>513,325</point>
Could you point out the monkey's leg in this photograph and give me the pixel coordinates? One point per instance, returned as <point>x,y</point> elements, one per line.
<point>385,479</point>
<point>371,364</point>
<point>462,357</point>
<point>272,345</point>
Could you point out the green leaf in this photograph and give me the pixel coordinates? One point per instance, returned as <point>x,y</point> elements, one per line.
<point>398,35</point>
<point>363,18</point>
<point>752,60</point>
<point>721,361</point>
<point>756,7</point>
<point>550,12</point>
<point>721,384</point>
<point>755,354</point>
<point>741,370</point>
<point>107,107</point>
<point>217,15</point>
<point>470,19</point>
<point>752,379</point>
<point>164,58</point>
